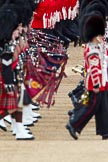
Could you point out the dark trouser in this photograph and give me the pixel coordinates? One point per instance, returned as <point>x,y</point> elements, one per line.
<point>102,116</point>
<point>98,106</point>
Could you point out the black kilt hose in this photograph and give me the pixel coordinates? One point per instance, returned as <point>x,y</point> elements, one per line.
<point>98,107</point>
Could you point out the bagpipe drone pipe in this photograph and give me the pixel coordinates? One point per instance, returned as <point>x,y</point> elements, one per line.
<point>45,65</point>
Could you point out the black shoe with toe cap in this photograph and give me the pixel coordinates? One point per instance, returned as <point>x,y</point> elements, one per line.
<point>71,131</point>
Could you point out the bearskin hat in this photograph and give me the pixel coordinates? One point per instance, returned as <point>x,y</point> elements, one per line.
<point>92,20</point>
<point>2,2</point>
<point>32,4</point>
<point>27,14</point>
<point>8,22</point>
<point>84,4</point>
<point>94,26</point>
<point>95,6</point>
<point>24,10</point>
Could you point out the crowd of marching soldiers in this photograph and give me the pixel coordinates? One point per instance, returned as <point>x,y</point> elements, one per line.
<point>33,56</point>
<point>34,37</point>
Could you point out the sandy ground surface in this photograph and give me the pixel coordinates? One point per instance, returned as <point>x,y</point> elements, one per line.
<point>52,141</point>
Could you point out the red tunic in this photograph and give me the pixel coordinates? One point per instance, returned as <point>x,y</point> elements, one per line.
<point>94,67</point>
<point>40,11</point>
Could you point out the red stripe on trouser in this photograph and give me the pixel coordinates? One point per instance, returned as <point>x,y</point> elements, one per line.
<point>83,118</point>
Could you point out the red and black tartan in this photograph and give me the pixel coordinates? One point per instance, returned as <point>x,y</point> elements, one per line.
<point>7,101</point>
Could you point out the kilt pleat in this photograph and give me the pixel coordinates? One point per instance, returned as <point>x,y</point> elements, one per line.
<point>8,101</point>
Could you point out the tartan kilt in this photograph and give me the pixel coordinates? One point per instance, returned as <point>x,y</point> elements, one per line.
<point>7,101</point>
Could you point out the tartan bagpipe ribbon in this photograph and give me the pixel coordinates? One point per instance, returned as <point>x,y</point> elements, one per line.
<point>39,83</point>
<point>43,79</point>
<point>54,62</point>
<point>33,80</point>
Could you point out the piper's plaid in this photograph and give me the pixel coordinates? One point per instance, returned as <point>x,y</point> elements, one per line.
<point>7,101</point>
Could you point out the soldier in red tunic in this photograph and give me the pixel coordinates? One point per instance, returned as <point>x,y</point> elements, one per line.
<point>96,61</point>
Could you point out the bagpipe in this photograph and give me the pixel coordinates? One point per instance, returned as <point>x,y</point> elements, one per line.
<point>45,65</point>
<point>79,96</point>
